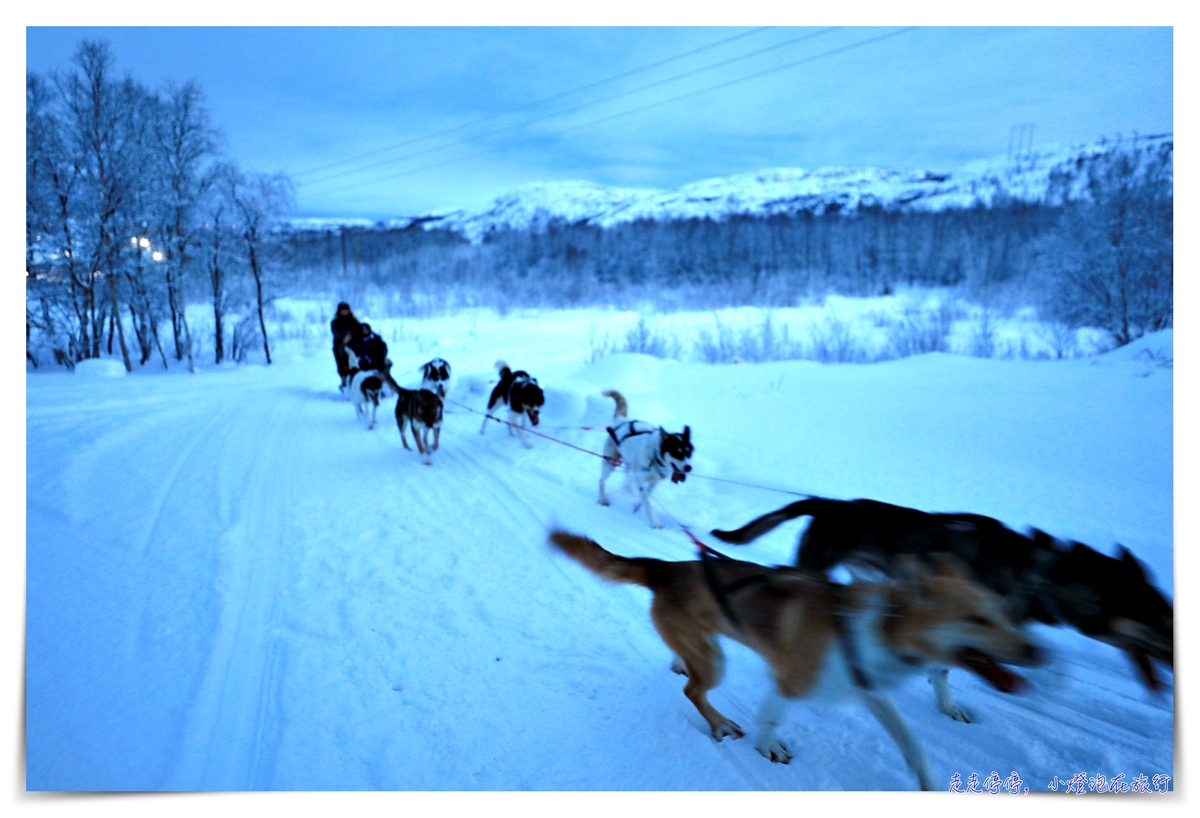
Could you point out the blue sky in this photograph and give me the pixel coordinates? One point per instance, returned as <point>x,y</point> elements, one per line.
<point>298,99</point>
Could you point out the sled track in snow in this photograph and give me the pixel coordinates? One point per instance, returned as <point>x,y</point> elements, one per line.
<point>228,741</point>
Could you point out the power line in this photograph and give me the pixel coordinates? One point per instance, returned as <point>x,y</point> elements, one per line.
<point>579,107</point>
<point>534,104</point>
<point>814,58</point>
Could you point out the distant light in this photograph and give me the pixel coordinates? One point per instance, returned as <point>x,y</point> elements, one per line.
<point>156,255</point>
<point>67,253</point>
<point>133,240</point>
<point>37,238</point>
<point>144,242</point>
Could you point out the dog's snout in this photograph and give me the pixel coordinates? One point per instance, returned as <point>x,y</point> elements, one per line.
<point>687,468</point>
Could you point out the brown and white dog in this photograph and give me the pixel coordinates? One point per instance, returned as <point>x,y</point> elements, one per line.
<point>422,410</point>
<point>650,454</point>
<point>823,641</point>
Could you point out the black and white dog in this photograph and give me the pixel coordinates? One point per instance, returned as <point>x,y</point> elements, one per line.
<point>521,394</point>
<point>1038,577</point>
<point>422,409</point>
<point>650,454</point>
<point>367,386</point>
<point>435,376</point>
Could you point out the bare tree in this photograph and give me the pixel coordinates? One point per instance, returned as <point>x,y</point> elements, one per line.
<point>101,125</point>
<point>216,253</point>
<point>258,199</point>
<point>1112,257</point>
<point>185,142</point>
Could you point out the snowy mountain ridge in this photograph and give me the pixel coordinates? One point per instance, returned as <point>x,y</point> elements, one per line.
<point>1048,175</point>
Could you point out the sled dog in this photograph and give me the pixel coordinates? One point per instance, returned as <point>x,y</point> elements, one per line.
<point>650,454</point>
<point>824,642</point>
<point>422,410</point>
<point>1038,577</point>
<point>523,397</point>
<point>435,376</point>
<point>367,386</point>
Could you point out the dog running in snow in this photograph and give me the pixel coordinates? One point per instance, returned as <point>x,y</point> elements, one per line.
<point>824,642</point>
<point>521,394</point>
<point>1038,577</point>
<point>422,410</point>
<point>650,454</point>
<point>367,386</point>
<point>435,376</point>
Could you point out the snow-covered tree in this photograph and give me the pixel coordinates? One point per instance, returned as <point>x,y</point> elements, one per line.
<point>1113,252</point>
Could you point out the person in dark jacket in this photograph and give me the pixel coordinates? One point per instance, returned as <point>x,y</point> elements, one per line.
<point>370,349</point>
<point>345,327</point>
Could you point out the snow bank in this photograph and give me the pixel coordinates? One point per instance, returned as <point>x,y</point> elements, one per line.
<point>100,368</point>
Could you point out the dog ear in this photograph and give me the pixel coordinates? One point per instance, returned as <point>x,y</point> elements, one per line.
<point>1130,562</point>
<point>687,432</point>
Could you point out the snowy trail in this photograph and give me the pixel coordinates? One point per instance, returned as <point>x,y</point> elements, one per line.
<point>226,742</point>
<point>234,585</point>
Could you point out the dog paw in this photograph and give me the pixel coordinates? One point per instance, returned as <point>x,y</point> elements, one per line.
<point>656,525</point>
<point>677,666</point>
<point>774,751</point>
<point>957,713</point>
<point>603,502</point>
<point>727,728</point>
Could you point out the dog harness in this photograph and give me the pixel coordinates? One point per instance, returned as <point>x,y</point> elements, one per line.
<point>841,616</point>
<point>707,557</point>
<point>841,622</point>
<point>631,430</point>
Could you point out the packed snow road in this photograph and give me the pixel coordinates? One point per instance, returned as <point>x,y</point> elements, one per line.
<point>233,585</point>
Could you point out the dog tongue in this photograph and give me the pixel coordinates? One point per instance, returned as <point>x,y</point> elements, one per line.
<point>999,678</point>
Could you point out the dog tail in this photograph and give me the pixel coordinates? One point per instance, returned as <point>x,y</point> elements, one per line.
<point>590,555</point>
<point>622,410</point>
<point>389,380</point>
<point>756,528</point>
<point>502,367</point>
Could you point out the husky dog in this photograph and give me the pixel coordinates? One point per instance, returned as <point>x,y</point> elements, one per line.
<point>650,454</point>
<point>435,376</point>
<point>367,386</point>
<point>422,409</point>
<point>823,641</point>
<point>521,394</point>
<point>1039,578</point>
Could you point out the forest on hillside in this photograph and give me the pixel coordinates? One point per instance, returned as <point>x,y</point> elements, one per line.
<point>1103,259</point>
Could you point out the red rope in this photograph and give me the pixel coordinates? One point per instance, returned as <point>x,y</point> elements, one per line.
<point>614,461</point>
<point>699,545</point>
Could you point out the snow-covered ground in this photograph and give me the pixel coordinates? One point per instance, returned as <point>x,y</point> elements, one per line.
<point>231,584</point>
